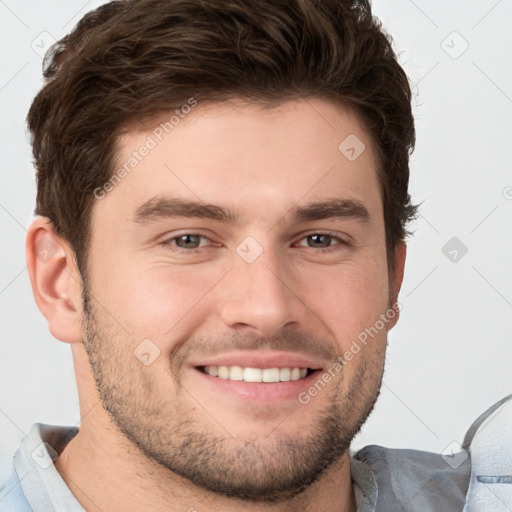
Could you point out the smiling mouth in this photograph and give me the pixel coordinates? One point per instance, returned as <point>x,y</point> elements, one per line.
<point>251,374</point>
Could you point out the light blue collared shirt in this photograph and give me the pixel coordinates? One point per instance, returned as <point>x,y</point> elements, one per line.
<point>384,480</point>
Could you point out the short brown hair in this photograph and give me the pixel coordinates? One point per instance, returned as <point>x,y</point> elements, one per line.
<point>130,59</point>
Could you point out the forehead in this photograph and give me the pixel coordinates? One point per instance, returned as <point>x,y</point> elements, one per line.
<point>258,162</point>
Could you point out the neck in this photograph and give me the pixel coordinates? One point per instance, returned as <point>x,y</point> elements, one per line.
<point>105,471</point>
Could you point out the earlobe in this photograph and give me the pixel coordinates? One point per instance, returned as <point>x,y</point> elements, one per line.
<point>56,283</point>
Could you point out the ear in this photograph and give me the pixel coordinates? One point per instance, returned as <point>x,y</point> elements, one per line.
<point>56,282</point>
<point>395,280</point>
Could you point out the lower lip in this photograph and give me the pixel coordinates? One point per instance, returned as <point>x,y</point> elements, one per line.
<point>256,391</point>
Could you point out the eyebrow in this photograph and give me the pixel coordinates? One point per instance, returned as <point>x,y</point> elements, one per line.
<point>162,207</point>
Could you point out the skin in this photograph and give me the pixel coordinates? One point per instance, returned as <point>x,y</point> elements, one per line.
<point>164,436</point>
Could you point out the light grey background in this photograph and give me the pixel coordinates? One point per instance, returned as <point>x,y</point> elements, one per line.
<point>450,356</point>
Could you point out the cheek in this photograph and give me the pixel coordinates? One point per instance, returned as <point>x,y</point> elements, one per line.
<point>348,299</point>
<point>157,298</point>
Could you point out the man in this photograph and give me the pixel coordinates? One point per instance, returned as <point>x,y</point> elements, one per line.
<point>222,207</point>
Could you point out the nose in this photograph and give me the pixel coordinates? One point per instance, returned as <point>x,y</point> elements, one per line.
<point>260,296</point>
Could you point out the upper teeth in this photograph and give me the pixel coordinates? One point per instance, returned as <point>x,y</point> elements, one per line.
<point>256,374</point>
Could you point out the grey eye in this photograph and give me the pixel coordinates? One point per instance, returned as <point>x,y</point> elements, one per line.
<point>318,240</point>
<point>188,241</point>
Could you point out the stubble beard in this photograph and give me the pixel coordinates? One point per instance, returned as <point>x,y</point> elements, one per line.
<point>261,469</point>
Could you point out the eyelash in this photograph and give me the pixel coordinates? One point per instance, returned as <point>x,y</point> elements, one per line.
<point>340,242</point>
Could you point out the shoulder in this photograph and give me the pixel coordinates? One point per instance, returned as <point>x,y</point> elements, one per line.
<point>29,482</point>
<point>489,442</point>
<point>415,480</point>
<point>457,479</point>
<point>12,498</point>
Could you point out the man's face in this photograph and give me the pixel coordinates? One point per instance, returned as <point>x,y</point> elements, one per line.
<point>269,270</point>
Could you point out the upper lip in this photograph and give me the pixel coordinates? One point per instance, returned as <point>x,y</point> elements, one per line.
<point>261,359</point>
